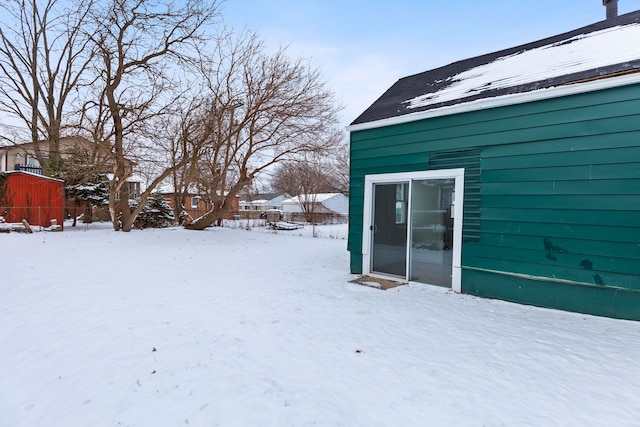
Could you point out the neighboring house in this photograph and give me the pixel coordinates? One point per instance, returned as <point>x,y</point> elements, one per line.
<point>18,157</point>
<point>134,182</point>
<point>514,175</point>
<point>32,197</point>
<point>317,207</point>
<point>262,202</point>
<point>195,205</point>
<point>22,156</point>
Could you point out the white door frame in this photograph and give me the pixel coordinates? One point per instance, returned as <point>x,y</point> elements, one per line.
<point>390,178</point>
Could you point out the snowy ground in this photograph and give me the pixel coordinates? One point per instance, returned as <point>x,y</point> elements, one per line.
<point>232,327</point>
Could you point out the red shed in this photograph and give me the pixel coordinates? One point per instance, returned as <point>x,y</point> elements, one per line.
<point>36,198</point>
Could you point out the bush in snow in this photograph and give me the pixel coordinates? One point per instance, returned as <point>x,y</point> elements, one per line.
<point>156,214</point>
<point>87,192</point>
<point>94,191</point>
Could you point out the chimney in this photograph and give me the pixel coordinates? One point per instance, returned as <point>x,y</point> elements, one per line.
<point>612,8</point>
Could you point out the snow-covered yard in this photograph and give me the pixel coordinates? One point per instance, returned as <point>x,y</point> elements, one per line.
<point>232,327</point>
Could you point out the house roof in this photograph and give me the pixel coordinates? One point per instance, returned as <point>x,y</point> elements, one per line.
<point>132,178</point>
<point>34,175</point>
<point>604,49</point>
<point>267,196</point>
<point>317,198</point>
<point>67,140</point>
<point>262,197</point>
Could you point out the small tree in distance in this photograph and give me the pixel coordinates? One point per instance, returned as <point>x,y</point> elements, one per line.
<point>155,214</point>
<point>91,192</point>
<point>304,179</point>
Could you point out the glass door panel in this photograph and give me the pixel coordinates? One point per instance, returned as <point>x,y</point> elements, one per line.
<point>389,229</point>
<point>431,250</point>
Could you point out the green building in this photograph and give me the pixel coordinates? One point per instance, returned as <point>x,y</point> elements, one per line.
<point>514,175</point>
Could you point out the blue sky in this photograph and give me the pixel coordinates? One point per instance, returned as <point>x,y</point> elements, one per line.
<point>362,47</point>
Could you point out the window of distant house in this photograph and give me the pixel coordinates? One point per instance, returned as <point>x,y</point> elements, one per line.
<point>134,188</point>
<point>195,202</point>
<point>30,160</point>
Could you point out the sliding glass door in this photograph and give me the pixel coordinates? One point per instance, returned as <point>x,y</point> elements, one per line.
<point>413,230</point>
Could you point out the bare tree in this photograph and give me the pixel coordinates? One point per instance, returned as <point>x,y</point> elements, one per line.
<point>263,109</point>
<point>43,57</point>
<point>328,173</point>
<point>181,179</point>
<point>184,135</point>
<point>301,177</point>
<point>305,179</point>
<point>140,44</point>
<point>339,169</point>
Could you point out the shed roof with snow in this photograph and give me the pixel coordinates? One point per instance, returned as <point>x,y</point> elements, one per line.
<point>604,49</point>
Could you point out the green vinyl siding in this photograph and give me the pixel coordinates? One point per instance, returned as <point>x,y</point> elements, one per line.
<point>588,248</point>
<point>564,171</point>
<point>563,201</point>
<point>578,187</point>
<point>598,300</point>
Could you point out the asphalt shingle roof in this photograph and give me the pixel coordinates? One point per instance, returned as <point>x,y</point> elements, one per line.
<point>604,49</point>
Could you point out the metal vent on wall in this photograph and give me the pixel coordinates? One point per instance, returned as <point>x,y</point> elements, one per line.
<point>470,161</point>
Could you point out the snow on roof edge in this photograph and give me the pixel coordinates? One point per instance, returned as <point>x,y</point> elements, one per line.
<point>609,46</point>
<point>503,100</point>
<point>317,198</point>
<point>33,174</point>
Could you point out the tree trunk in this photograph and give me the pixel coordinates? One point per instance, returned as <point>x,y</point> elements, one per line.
<point>206,220</point>
<point>127,221</point>
<point>54,161</point>
<point>217,213</point>
<point>88,213</point>
<point>113,189</point>
<point>178,203</point>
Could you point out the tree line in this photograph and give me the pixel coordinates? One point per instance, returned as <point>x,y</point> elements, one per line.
<point>165,86</point>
